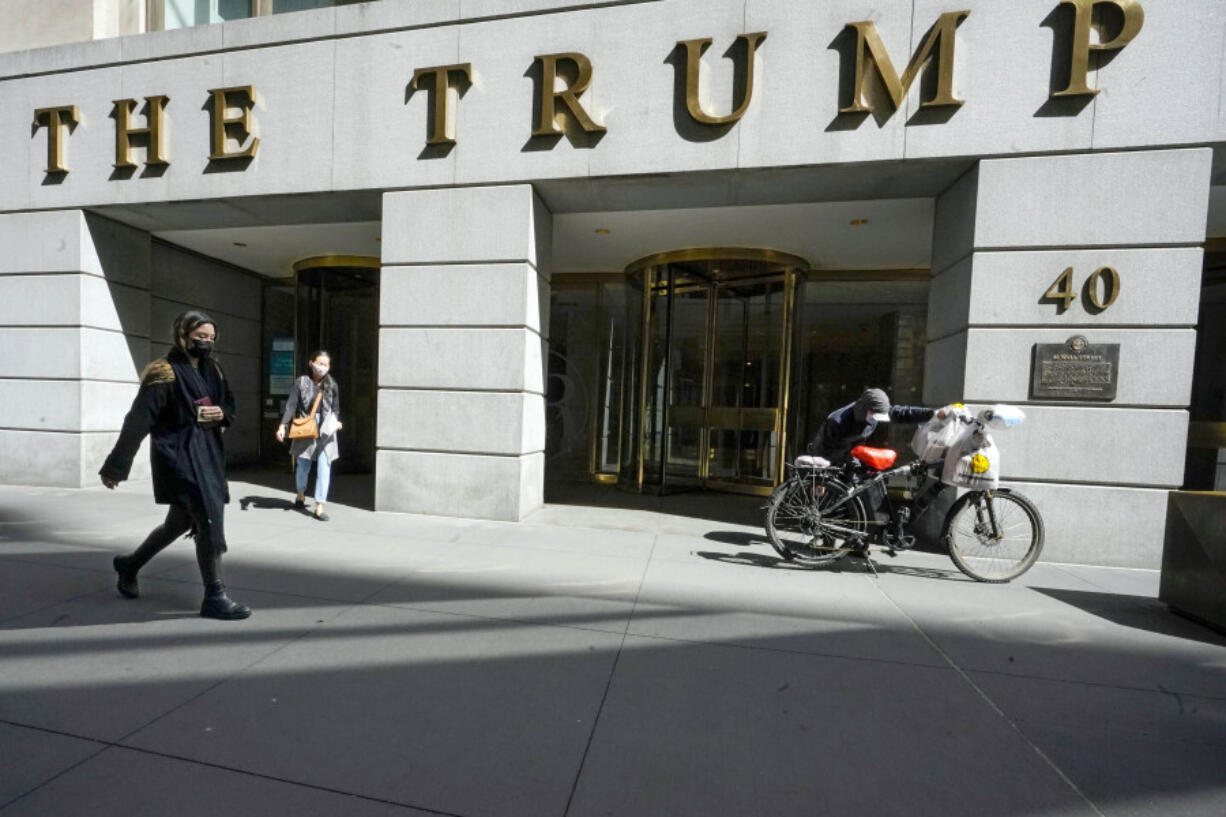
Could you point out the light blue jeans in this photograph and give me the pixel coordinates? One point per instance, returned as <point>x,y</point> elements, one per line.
<point>323,475</point>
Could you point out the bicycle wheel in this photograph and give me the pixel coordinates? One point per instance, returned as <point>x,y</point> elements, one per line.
<point>994,553</point>
<point>784,512</point>
<point>811,523</point>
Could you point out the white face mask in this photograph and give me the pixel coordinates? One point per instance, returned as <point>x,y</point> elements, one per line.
<point>319,370</point>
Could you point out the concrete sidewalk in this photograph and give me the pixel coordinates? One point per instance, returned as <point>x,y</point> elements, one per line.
<point>586,662</point>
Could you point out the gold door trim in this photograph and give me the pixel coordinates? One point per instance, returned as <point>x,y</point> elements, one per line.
<point>317,261</point>
<point>708,386</point>
<point>907,274</point>
<point>747,419</point>
<point>789,270</point>
<point>719,254</point>
<point>790,322</point>
<point>644,343</point>
<point>582,280</point>
<point>1203,434</point>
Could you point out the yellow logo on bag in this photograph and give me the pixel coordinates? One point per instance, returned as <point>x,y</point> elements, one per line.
<point>980,464</point>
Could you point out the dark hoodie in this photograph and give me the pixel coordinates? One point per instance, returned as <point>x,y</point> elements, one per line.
<point>852,425</point>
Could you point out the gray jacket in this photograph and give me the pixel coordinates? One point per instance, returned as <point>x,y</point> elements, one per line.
<point>301,396</point>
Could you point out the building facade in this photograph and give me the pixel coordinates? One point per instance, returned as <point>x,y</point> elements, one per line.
<point>649,243</point>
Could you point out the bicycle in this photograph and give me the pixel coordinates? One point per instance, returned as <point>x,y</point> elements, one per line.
<point>818,516</point>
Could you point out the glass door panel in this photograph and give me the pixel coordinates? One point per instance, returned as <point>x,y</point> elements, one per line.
<point>858,334</point>
<point>638,299</point>
<point>655,381</point>
<point>687,378</point>
<point>746,387</point>
<point>611,383</point>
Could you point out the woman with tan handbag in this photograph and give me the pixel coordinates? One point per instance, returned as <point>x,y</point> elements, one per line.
<point>312,418</point>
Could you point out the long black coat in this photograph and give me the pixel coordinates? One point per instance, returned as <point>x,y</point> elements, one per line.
<point>161,412</point>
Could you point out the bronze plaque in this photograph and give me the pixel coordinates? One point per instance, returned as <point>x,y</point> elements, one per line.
<point>1075,370</point>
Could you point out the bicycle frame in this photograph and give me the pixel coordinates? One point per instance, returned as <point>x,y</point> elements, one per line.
<point>863,480</point>
<point>864,484</point>
<point>809,517</point>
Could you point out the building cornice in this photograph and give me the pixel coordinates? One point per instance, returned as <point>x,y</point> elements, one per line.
<point>339,22</point>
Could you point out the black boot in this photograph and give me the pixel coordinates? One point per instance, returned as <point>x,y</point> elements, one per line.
<point>127,577</point>
<point>218,605</point>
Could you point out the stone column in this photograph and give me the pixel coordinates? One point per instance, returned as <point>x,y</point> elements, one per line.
<point>74,330</point>
<point>463,313</point>
<point>1099,471</point>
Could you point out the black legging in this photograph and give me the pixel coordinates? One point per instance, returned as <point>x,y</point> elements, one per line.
<point>178,522</point>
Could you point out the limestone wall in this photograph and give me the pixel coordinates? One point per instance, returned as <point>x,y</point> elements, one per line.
<point>335,110</point>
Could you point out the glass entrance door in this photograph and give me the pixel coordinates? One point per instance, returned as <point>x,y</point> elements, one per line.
<point>716,337</point>
<point>743,419</point>
<point>686,398</point>
<point>338,311</point>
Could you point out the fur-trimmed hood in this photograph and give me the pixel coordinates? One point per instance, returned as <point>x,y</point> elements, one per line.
<point>159,371</point>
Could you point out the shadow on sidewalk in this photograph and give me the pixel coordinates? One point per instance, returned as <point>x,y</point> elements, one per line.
<point>414,679</point>
<point>265,503</point>
<point>738,538</point>
<point>715,506</point>
<point>350,490</point>
<point>445,698</point>
<point>846,565</point>
<point>1137,612</point>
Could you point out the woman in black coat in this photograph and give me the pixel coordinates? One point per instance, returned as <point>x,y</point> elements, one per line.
<point>183,404</point>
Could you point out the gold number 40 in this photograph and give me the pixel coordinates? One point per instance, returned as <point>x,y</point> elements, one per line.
<point>1100,290</point>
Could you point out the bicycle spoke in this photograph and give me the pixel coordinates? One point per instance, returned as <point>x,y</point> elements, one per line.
<point>813,523</point>
<point>997,553</point>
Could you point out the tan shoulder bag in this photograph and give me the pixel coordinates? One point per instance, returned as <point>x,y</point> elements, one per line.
<point>305,428</point>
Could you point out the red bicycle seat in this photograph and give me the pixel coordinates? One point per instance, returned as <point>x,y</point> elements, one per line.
<point>878,459</point>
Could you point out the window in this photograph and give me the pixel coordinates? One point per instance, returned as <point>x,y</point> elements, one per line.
<point>168,14</point>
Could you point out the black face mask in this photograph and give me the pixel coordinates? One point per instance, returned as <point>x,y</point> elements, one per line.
<point>200,349</point>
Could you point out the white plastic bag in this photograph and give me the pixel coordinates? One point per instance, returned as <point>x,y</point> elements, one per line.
<point>1003,416</point>
<point>973,461</point>
<point>933,438</point>
<point>329,425</point>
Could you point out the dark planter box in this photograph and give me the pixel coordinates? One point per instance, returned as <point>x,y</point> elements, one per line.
<point>1194,557</point>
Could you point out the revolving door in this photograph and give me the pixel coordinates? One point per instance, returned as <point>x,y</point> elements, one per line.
<point>712,370</point>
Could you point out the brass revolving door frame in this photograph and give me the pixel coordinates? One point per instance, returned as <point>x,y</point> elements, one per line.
<point>658,281</point>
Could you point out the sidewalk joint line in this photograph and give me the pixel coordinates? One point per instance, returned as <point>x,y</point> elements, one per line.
<point>60,774</point>
<point>307,631</point>
<point>287,781</point>
<point>105,745</point>
<point>1100,685</point>
<point>609,684</point>
<point>731,645</point>
<point>53,604</point>
<point>988,700</point>
<point>479,617</point>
